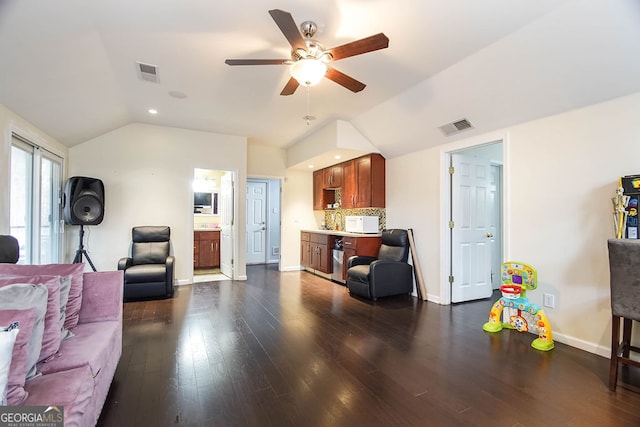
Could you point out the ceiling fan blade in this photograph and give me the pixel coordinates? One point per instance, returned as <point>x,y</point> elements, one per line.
<point>287,25</point>
<point>343,80</point>
<point>256,61</point>
<point>290,87</point>
<point>368,44</point>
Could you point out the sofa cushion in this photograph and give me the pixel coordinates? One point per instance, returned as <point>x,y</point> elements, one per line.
<point>24,296</point>
<point>72,389</point>
<point>51,337</point>
<point>19,355</point>
<point>8,335</point>
<point>91,345</point>
<point>75,292</point>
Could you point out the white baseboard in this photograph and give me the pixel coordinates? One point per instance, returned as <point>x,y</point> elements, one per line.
<point>583,345</point>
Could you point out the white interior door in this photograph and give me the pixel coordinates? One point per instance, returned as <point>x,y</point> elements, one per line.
<point>256,222</point>
<point>226,224</point>
<point>470,210</point>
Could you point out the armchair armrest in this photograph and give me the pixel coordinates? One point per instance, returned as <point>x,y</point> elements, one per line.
<point>170,263</point>
<point>125,263</point>
<point>360,260</point>
<point>101,296</point>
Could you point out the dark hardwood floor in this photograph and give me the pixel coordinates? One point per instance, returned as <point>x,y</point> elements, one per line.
<point>292,349</point>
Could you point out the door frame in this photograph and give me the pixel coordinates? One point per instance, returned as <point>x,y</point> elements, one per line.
<point>269,223</point>
<point>445,201</point>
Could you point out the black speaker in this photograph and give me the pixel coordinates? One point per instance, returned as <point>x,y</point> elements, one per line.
<point>83,201</point>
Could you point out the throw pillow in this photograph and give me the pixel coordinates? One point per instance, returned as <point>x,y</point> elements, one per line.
<point>65,287</point>
<point>24,296</point>
<point>75,292</point>
<point>51,338</point>
<point>8,336</point>
<point>16,393</point>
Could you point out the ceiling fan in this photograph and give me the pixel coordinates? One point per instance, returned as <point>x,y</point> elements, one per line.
<point>310,61</point>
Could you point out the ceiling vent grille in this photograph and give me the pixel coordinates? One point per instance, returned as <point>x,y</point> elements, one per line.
<point>147,72</point>
<point>456,127</point>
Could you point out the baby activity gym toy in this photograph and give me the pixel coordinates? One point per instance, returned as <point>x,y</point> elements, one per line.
<point>514,311</point>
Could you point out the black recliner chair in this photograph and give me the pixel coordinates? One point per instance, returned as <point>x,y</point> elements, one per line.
<point>388,274</point>
<point>9,249</point>
<point>149,271</point>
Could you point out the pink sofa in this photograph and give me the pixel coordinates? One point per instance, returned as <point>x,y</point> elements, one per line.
<point>79,374</point>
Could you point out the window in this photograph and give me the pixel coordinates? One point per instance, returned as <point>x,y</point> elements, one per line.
<point>35,210</point>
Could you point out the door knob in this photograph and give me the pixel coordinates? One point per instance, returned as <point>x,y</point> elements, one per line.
<point>489,234</point>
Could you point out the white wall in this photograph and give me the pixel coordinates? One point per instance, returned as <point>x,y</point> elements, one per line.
<point>148,173</point>
<point>12,123</point>
<point>560,174</point>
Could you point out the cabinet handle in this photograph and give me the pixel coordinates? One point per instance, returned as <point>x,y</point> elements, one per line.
<point>211,246</point>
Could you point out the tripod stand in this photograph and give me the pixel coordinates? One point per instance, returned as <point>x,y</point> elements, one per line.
<point>80,251</point>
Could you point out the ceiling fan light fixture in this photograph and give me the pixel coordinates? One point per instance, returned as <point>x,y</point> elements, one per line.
<point>308,71</point>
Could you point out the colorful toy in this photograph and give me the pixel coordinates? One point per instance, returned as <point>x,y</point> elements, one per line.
<point>514,307</point>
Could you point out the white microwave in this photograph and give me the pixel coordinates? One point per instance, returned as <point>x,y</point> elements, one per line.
<point>361,224</point>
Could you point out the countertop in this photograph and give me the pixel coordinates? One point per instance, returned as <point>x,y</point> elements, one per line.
<point>206,229</point>
<point>343,233</point>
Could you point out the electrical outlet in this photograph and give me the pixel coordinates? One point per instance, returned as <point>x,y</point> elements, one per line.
<point>549,300</point>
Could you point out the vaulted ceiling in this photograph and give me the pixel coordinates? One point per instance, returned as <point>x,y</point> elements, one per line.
<point>69,66</point>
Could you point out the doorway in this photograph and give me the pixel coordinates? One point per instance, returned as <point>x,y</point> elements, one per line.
<point>263,221</point>
<point>476,230</point>
<point>212,225</point>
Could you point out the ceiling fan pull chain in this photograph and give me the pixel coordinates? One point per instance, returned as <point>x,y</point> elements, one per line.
<point>308,116</point>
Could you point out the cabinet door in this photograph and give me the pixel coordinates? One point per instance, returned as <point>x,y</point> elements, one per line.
<point>321,258</point>
<point>216,250</point>
<point>333,176</point>
<point>305,254</point>
<point>318,200</point>
<point>349,185</point>
<point>378,182</point>
<point>207,249</point>
<point>363,182</point>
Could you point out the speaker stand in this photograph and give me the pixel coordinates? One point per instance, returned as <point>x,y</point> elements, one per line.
<point>81,251</point>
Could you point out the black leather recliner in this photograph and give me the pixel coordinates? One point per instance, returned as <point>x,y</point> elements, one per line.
<point>388,274</point>
<point>149,271</point>
<point>9,249</point>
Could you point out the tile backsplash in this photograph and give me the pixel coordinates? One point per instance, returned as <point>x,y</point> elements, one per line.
<point>330,215</point>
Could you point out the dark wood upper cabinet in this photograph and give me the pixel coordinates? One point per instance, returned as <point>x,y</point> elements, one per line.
<point>333,176</point>
<point>364,182</point>
<point>361,180</point>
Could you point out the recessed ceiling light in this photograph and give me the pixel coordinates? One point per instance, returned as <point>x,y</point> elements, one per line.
<point>153,111</point>
<point>337,156</point>
<point>310,166</point>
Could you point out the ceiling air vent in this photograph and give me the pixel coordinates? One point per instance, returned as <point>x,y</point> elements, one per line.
<point>456,127</point>
<point>147,72</point>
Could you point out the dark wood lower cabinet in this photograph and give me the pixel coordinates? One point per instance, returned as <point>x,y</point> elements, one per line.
<point>206,249</point>
<point>316,250</point>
